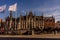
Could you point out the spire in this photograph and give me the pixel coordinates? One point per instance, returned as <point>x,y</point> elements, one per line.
<point>26,14</point>
<point>30,13</point>
<point>53,16</point>
<point>10,22</point>
<point>35,17</point>
<point>10,14</point>
<point>34,14</point>
<point>42,14</point>
<point>20,15</point>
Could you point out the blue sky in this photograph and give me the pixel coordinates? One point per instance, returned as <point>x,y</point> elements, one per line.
<point>48,7</point>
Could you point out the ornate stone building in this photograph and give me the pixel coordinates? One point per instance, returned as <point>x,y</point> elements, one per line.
<point>24,23</point>
<point>28,22</point>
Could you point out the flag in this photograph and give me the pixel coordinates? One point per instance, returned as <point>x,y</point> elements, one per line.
<point>13,7</point>
<point>2,8</point>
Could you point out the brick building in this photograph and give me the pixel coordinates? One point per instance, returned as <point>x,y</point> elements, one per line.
<point>57,24</point>
<point>49,22</point>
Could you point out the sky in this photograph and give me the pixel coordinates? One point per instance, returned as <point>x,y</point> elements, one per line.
<point>47,7</point>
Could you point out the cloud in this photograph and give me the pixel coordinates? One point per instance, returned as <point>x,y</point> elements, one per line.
<point>50,11</point>
<point>45,9</point>
<point>23,12</point>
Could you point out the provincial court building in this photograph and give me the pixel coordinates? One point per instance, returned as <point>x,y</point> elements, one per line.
<point>27,22</point>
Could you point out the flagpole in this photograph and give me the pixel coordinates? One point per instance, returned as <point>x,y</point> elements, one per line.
<point>4,7</point>
<point>5,20</point>
<point>15,22</point>
<point>2,10</point>
<point>13,8</point>
<point>16,19</point>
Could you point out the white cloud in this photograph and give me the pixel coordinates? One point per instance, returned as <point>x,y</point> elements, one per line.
<point>55,11</point>
<point>44,9</point>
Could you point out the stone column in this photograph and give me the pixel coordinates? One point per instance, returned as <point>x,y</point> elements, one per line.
<point>35,22</point>
<point>20,23</point>
<point>29,24</point>
<point>39,23</point>
<point>10,24</point>
<point>24,24</point>
<point>32,23</point>
<point>26,21</point>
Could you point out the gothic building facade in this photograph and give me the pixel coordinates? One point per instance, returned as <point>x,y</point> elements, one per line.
<point>28,22</point>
